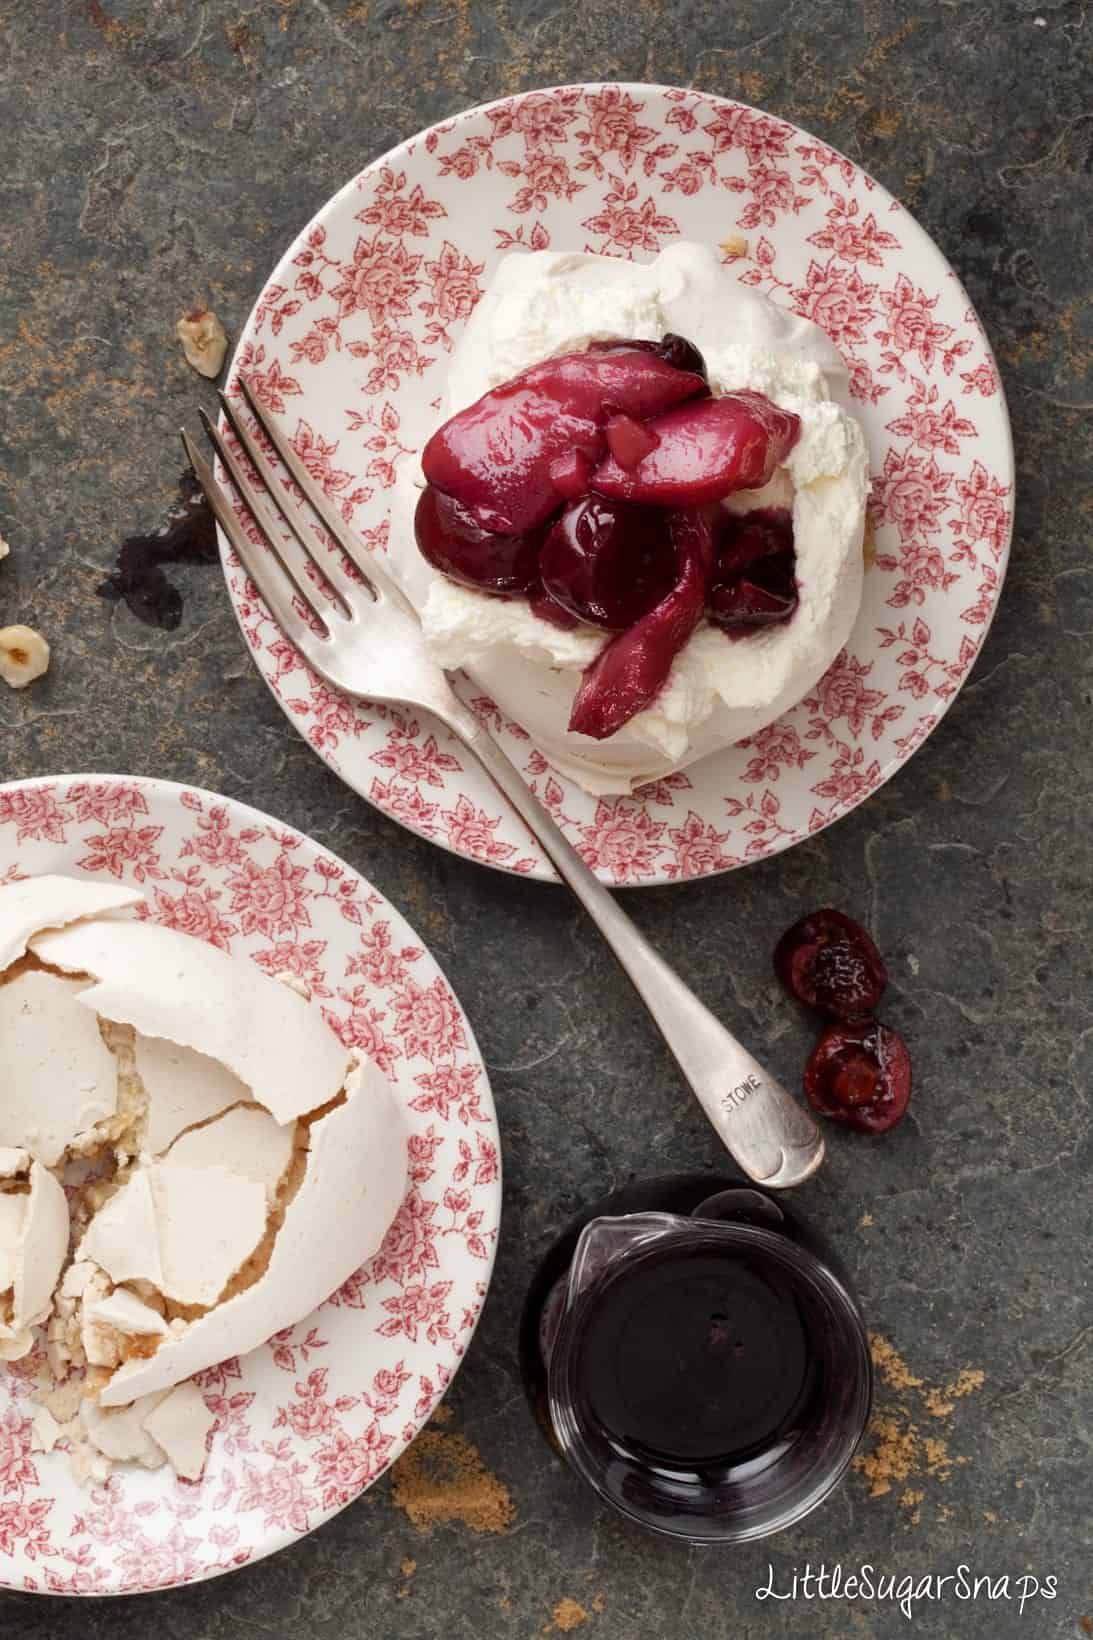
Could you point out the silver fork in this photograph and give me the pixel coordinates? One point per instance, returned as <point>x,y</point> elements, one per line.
<point>367,643</point>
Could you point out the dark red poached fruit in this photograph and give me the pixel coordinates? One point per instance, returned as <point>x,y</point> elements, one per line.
<point>753,582</point>
<point>704,451</point>
<point>454,542</point>
<point>608,563</point>
<point>630,672</point>
<point>588,484</point>
<point>495,457</point>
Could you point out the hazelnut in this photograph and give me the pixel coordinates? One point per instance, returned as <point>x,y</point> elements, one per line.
<point>24,655</point>
<point>203,341</point>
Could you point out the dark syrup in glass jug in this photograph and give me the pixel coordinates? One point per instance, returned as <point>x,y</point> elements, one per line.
<point>693,1350</point>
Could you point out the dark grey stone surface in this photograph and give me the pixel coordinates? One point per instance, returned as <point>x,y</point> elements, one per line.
<point>161,154</point>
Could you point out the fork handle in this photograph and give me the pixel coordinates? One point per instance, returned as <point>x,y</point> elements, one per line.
<point>772,1138</point>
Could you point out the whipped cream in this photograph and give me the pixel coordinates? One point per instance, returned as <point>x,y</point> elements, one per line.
<point>542,304</point>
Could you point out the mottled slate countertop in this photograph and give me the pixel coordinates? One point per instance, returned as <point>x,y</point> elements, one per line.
<point>160,155</point>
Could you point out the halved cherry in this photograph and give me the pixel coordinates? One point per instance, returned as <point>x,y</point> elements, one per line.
<point>747,603</point>
<point>542,604</point>
<point>705,450</point>
<point>607,562</point>
<point>454,542</point>
<point>629,673</point>
<point>861,1075</point>
<point>827,961</point>
<point>674,350</point>
<point>741,538</point>
<point>495,457</point>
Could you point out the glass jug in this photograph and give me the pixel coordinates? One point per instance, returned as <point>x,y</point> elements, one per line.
<point>693,1349</point>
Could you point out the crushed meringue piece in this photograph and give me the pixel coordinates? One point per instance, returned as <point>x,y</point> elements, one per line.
<point>181,1424</point>
<point>126,1313</point>
<point>45,1431</point>
<point>57,1076</point>
<point>254,1210</point>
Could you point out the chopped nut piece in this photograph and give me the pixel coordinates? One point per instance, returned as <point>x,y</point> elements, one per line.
<point>734,245</point>
<point>24,655</point>
<point>4,548</point>
<point>203,341</point>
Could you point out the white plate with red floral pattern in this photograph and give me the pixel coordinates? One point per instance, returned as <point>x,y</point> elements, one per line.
<point>308,1422</point>
<point>349,341</point>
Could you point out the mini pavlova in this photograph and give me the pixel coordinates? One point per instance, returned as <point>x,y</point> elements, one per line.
<point>190,1162</point>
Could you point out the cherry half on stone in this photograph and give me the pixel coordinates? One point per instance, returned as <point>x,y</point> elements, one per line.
<point>607,562</point>
<point>828,962</point>
<point>860,1075</point>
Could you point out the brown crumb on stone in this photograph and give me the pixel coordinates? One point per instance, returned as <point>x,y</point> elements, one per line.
<point>241,39</point>
<point>990,1517</point>
<point>938,1461</point>
<point>891,1365</point>
<point>910,1499</point>
<point>940,1402</point>
<point>442,1415</point>
<point>1019,1485</point>
<point>568,1615</point>
<point>442,1478</point>
<point>1086,1625</point>
<point>599,1602</point>
<point>894,1455</point>
<point>865,1222</point>
<point>409,1567</point>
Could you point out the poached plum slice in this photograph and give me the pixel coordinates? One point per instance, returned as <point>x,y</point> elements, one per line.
<point>607,562</point>
<point>705,450</point>
<point>495,457</point>
<point>631,670</point>
<point>451,539</point>
<point>861,1075</point>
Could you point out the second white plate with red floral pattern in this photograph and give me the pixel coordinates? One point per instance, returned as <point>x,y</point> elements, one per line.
<point>349,342</point>
<point>308,1422</point>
